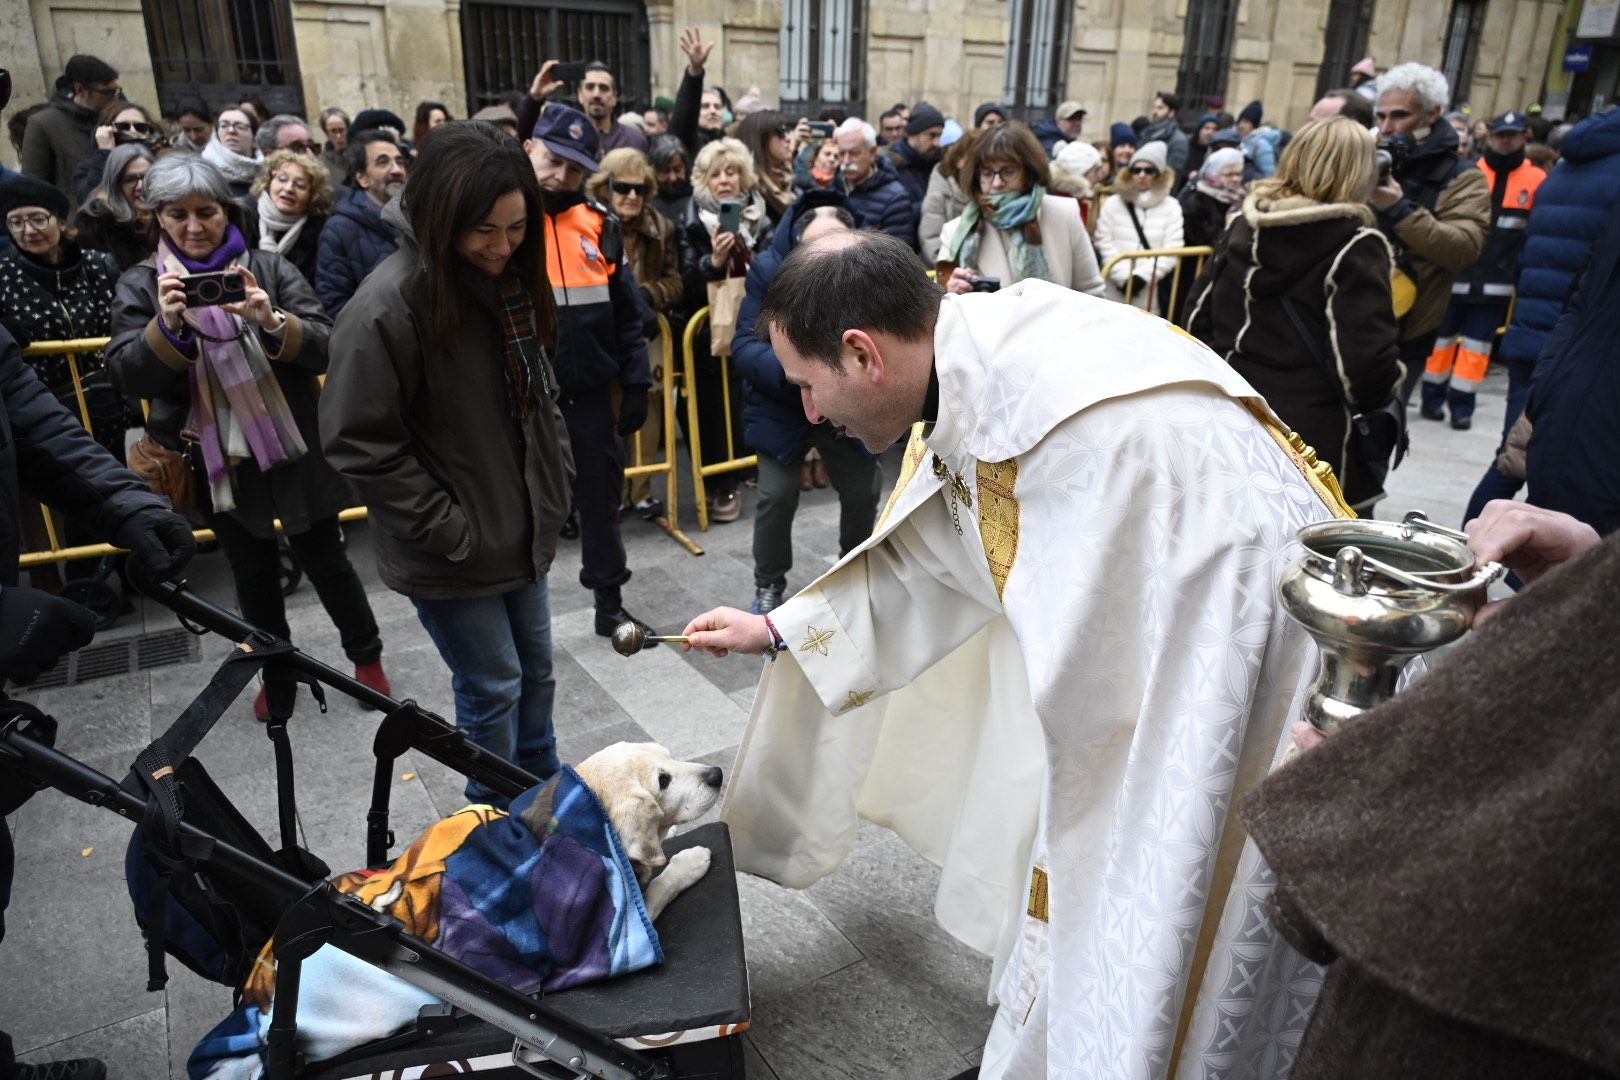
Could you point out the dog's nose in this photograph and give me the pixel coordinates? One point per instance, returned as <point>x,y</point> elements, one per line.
<point>714,776</point>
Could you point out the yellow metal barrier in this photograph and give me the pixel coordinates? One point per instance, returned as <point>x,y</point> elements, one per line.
<point>669,467</point>
<point>56,552</point>
<point>1200,252</point>
<point>694,441</point>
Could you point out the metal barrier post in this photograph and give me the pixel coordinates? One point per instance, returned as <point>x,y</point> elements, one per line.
<point>693,439</point>
<point>669,468</point>
<point>1201,251</point>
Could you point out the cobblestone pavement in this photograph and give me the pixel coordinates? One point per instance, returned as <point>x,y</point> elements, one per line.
<point>850,978</point>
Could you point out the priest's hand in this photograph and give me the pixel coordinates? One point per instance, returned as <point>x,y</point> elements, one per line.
<point>727,630</point>
<point>1526,539</point>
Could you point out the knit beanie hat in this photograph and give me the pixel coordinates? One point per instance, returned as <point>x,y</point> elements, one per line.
<point>986,109</point>
<point>1078,158</point>
<point>367,119</point>
<point>1122,134</point>
<point>1154,153</point>
<point>1252,112</point>
<point>923,117</point>
<point>17,191</point>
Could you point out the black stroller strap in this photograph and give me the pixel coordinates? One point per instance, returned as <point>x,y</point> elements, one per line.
<point>160,826</point>
<point>239,668</point>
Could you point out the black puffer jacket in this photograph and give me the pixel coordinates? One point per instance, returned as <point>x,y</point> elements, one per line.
<point>432,446</point>
<point>146,364</point>
<point>45,452</point>
<point>1334,270</point>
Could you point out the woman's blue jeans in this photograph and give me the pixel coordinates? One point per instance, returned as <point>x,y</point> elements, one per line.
<point>498,649</point>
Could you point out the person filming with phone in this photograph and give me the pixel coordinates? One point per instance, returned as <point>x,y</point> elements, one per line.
<point>227,342</point>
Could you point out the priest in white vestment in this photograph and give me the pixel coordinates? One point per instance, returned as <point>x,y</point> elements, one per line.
<point>1054,666</point>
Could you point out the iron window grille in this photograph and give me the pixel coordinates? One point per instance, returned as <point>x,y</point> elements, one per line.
<point>1036,75</point>
<point>1345,43</point>
<point>821,55</point>
<point>224,51</point>
<point>1206,55</point>
<point>505,43</point>
<point>1463,30</point>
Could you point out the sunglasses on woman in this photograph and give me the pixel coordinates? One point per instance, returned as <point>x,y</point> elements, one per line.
<point>621,187</point>
<point>1144,170</point>
<point>133,127</point>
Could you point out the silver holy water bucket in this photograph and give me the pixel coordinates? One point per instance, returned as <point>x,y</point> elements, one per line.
<point>1374,594</point>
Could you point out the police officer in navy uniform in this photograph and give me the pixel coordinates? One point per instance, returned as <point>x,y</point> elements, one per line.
<point>599,343</point>
<point>1480,296</point>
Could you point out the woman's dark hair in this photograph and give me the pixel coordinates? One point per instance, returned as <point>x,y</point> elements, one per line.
<point>193,106</point>
<point>873,281</point>
<point>424,113</point>
<point>755,132</point>
<point>1010,142</point>
<point>455,180</point>
<point>957,154</point>
<point>17,123</point>
<point>257,111</point>
<point>664,149</point>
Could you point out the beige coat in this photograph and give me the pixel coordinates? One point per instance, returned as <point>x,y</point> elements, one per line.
<point>1070,260</point>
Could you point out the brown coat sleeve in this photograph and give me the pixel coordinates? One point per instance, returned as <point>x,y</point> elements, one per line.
<point>661,273</point>
<point>1454,234</point>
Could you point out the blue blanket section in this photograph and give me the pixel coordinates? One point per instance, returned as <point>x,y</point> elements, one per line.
<point>543,898</point>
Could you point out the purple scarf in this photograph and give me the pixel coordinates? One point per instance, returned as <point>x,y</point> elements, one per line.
<point>237,407</point>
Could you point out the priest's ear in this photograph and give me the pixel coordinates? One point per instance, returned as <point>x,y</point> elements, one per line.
<point>862,354</point>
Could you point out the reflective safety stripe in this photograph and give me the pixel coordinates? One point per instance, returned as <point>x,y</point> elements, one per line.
<point>1475,346</point>
<point>580,294</point>
<point>1463,288</point>
<point>1497,290</point>
<point>1512,222</point>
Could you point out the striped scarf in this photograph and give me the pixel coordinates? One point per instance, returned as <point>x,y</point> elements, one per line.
<point>237,407</point>
<point>527,370</point>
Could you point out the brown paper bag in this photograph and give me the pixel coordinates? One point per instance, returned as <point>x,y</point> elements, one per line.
<point>725,301</point>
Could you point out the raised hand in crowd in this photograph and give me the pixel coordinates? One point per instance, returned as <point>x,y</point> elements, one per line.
<point>545,84</point>
<point>696,49</point>
<point>172,300</point>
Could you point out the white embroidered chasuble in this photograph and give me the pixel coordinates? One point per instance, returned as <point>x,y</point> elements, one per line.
<point>1062,649</point>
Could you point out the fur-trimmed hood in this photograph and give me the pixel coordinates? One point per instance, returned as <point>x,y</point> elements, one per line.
<point>1263,212</point>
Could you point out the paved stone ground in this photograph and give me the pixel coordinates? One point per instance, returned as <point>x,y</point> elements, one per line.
<point>851,978</point>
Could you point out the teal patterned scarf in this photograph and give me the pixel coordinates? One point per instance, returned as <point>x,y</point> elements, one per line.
<point>1014,214</point>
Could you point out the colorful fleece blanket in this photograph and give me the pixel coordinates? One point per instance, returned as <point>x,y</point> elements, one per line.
<point>541,898</point>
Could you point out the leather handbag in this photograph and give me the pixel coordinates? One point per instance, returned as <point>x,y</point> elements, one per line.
<point>166,472</point>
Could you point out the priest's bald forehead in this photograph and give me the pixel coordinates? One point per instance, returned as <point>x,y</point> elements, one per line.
<point>849,281</point>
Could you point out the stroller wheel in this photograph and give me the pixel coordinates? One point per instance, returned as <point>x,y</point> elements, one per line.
<point>292,571</point>
<point>104,601</point>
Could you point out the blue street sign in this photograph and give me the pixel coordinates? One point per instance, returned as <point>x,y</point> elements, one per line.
<point>1578,58</point>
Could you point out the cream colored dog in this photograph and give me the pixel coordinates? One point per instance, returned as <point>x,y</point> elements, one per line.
<point>646,793</point>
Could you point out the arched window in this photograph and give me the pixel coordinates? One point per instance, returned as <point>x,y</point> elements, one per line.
<point>1037,50</point>
<point>822,52</point>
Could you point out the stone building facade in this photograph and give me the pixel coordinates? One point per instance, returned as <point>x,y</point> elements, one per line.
<point>1112,55</point>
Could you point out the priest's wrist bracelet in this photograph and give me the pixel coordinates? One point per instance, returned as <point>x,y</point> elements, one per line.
<point>778,643</point>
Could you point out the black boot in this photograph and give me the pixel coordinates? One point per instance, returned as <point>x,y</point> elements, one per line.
<point>610,613</point>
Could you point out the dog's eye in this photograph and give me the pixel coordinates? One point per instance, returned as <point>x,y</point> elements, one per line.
<point>663,780</point>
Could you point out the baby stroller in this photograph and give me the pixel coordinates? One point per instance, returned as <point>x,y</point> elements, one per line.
<point>678,1020</point>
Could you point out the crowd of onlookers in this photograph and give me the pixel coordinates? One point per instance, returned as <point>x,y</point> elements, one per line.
<point>1377,248</point>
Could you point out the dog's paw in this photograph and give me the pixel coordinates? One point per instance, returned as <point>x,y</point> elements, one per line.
<point>686,867</point>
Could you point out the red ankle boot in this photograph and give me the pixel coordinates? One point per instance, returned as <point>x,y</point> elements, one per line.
<point>374,677</point>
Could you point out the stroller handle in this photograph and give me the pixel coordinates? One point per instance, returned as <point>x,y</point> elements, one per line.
<point>405,724</point>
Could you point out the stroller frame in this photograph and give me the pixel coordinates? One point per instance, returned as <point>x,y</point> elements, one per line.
<point>546,1043</point>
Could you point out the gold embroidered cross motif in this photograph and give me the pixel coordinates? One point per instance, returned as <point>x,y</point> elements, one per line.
<point>959,490</point>
<point>857,698</point>
<point>816,641</point>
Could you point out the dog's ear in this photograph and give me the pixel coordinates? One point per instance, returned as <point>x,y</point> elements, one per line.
<point>637,816</point>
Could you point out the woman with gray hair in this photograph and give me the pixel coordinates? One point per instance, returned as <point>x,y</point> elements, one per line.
<point>234,390</point>
<point>113,219</point>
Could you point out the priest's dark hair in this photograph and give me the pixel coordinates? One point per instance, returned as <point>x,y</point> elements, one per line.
<point>850,281</point>
<point>454,182</point>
